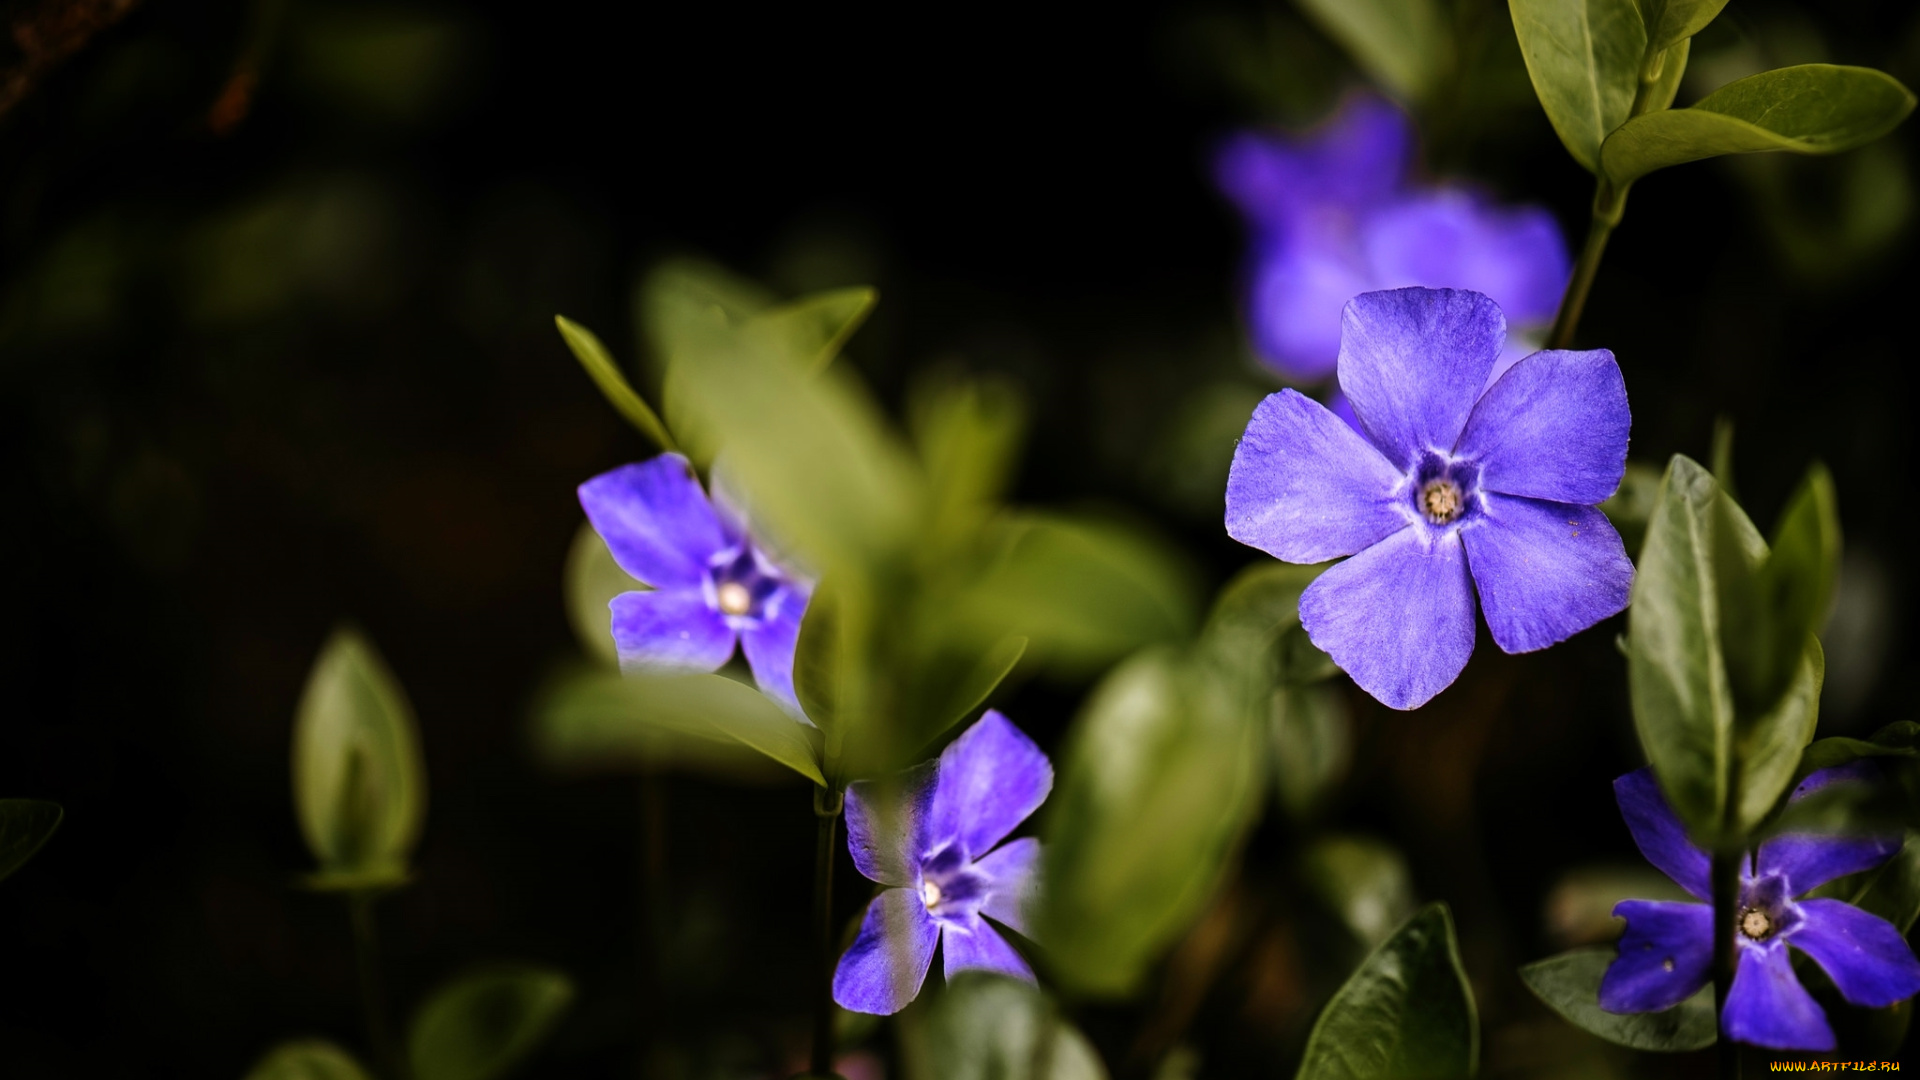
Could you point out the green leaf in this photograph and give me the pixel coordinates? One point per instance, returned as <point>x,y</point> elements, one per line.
<point>1790,595</point>
<point>480,1025</point>
<point>592,580</point>
<point>694,706</point>
<point>1893,891</point>
<point>1807,109</point>
<point>1672,22</point>
<point>1584,57</point>
<point>594,719</point>
<point>987,1027</point>
<point>946,688</point>
<point>1630,506</point>
<point>1570,985</point>
<point>968,434</point>
<point>1666,80</point>
<point>606,375</point>
<point>1401,44</point>
<point>1159,778</point>
<point>1406,1014</point>
<point>25,827</point>
<point>1365,882</point>
<point>1312,740</point>
<point>1251,619</point>
<point>1898,739</point>
<point>307,1059</point>
<point>1769,746</point>
<point>813,329</point>
<point>359,788</point>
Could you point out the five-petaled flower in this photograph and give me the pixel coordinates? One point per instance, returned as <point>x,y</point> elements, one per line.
<point>1445,487</point>
<point>1333,215</point>
<point>712,585</point>
<point>1666,954</point>
<point>932,846</point>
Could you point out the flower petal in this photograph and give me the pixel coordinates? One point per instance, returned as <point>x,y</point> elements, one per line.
<point>1553,427</point>
<point>1355,158</point>
<point>883,969</point>
<point>769,647</point>
<point>1546,571</point>
<point>888,847</point>
<point>1305,488</point>
<point>1665,956</point>
<point>669,630</point>
<point>1398,617</point>
<point>1452,238</point>
<point>1767,1006</point>
<point>1413,361</point>
<point>990,779</point>
<point>1864,954</point>
<point>1658,833</point>
<point>1811,860</point>
<point>1014,873</point>
<point>1296,290</point>
<point>979,947</point>
<point>655,519</point>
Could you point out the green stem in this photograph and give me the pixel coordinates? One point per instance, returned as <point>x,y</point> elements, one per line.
<point>826,809</point>
<point>1609,204</point>
<point>1725,876</point>
<point>373,1001</point>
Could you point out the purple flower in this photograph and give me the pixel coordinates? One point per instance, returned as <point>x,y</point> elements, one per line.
<point>1332,215</point>
<point>1444,488</point>
<point>935,853</point>
<point>711,584</point>
<point>1666,953</point>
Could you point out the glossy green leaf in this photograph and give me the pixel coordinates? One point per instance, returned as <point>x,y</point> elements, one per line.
<point>1898,739</point>
<point>1570,985</point>
<point>695,706</point>
<point>307,1059</point>
<point>606,375</point>
<point>1671,68</point>
<point>1365,882</point>
<point>1769,746</point>
<point>813,329</point>
<point>1632,504</point>
<point>986,1027</point>
<point>25,827</point>
<point>1406,1014</point>
<point>1807,109</point>
<point>943,690</point>
<point>1790,595</point>
<point>1312,737</point>
<point>480,1025</point>
<point>359,787</point>
<point>1254,612</point>
<point>591,719</point>
<point>592,580</point>
<point>1158,780</point>
<point>1893,891</point>
<point>1401,44</point>
<point>1672,22</point>
<point>1584,57</point>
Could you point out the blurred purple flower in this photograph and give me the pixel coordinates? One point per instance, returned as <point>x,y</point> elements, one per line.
<point>1666,954</point>
<point>711,584</point>
<point>935,853</point>
<point>1332,215</point>
<point>1443,488</point>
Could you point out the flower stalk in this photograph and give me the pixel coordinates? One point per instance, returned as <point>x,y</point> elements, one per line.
<point>1724,872</point>
<point>373,1000</point>
<point>826,809</point>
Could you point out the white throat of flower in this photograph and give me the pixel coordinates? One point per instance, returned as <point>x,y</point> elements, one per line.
<point>734,599</point>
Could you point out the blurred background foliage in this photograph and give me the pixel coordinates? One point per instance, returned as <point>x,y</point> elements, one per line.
<point>277,282</point>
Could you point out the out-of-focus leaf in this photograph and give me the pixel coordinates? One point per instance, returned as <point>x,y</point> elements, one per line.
<point>1402,44</point>
<point>968,433</point>
<point>1893,891</point>
<point>1584,57</point>
<point>1666,82</point>
<point>813,329</point>
<point>593,579</point>
<point>987,1027</point>
<point>359,788</point>
<point>1159,778</point>
<point>1192,453</point>
<point>25,826</point>
<point>608,713</point>
<point>1570,985</point>
<point>1898,739</point>
<point>1407,1013</point>
<point>307,1059</point>
<point>480,1025</point>
<point>1672,22</point>
<point>1251,617</point>
<point>1770,744</point>
<point>606,375</point>
<point>1630,506</point>
<point>1768,623</point>
<point>945,689</point>
<point>590,719</point>
<point>1807,109</point>
<point>1365,882</point>
<point>1084,590</point>
<point>1312,742</point>
<point>1579,907</point>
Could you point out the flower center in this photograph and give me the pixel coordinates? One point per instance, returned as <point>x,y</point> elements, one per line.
<point>1441,501</point>
<point>1755,924</point>
<point>930,894</point>
<point>735,598</point>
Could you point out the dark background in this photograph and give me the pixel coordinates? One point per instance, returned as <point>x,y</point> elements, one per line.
<point>277,352</point>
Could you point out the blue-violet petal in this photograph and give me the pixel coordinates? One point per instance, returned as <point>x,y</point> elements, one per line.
<point>1553,427</point>
<point>1305,488</point>
<point>1665,956</point>
<point>1546,571</point>
<point>1413,361</point>
<point>1398,617</point>
<point>882,970</point>
<point>655,520</point>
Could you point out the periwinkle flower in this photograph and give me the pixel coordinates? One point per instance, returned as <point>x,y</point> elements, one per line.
<point>1332,214</point>
<point>1442,490</point>
<point>1666,954</point>
<point>934,851</point>
<point>712,586</point>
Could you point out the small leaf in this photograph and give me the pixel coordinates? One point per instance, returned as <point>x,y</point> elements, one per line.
<point>1584,57</point>
<point>1631,506</point>
<point>359,788</point>
<point>1893,891</point>
<point>1252,614</point>
<point>593,579</point>
<point>1672,22</point>
<point>1402,44</point>
<point>589,719</point>
<point>1769,746</point>
<point>813,329</point>
<point>987,1027</point>
<point>1790,597</point>
<point>1407,1013</point>
<point>1666,82</point>
<point>25,826</point>
<point>944,690</point>
<point>307,1059</point>
<point>1312,740</point>
<point>1898,739</point>
<point>968,434</point>
<point>1808,109</point>
<point>606,375</point>
<point>704,706</point>
<point>480,1025</point>
<point>1363,881</point>
<point>1570,985</point>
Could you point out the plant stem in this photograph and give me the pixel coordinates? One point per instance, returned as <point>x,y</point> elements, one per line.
<point>373,1001</point>
<point>1609,204</point>
<point>826,810</point>
<point>1725,876</point>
